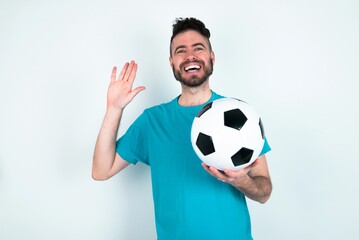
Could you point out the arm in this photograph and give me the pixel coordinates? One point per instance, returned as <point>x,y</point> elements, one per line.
<point>254,181</point>
<point>106,162</point>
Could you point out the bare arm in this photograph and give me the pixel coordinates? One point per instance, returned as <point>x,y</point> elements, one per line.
<point>106,162</point>
<point>254,181</point>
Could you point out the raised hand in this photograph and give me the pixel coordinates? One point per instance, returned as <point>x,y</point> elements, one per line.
<point>120,92</point>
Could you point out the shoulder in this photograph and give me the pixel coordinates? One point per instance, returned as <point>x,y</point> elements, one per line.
<point>216,95</point>
<point>162,107</point>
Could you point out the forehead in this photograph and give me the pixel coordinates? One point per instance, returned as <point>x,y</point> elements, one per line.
<point>188,38</point>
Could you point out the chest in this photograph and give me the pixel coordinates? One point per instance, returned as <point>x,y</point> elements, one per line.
<point>169,144</point>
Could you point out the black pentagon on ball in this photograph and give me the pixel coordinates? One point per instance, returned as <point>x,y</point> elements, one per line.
<point>204,109</point>
<point>205,144</point>
<point>243,156</point>
<point>234,118</point>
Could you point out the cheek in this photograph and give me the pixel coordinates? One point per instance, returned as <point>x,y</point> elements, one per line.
<point>175,64</point>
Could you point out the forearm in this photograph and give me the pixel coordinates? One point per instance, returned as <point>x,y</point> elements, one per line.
<point>257,188</point>
<point>105,148</point>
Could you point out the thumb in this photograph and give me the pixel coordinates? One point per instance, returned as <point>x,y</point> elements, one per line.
<point>135,91</point>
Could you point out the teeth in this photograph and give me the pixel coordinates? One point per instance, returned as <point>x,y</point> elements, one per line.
<point>192,67</point>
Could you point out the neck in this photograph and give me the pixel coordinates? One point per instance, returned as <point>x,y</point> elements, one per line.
<point>194,96</point>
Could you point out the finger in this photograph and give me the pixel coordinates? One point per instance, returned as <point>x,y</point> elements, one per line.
<point>229,173</point>
<point>129,70</point>
<point>113,74</point>
<point>133,72</point>
<point>137,90</point>
<point>205,167</point>
<point>208,169</point>
<point>216,173</point>
<point>235,173</point>
<point>123,72</point>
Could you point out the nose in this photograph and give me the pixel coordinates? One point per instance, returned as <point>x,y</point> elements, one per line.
<point>190,56</point>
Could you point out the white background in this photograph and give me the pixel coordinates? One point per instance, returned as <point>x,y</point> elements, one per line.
<point>295,61</point>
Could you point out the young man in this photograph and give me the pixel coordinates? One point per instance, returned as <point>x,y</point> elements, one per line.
<point>191,200</point>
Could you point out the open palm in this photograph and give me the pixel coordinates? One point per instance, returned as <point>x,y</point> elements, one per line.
<point>120,92</point>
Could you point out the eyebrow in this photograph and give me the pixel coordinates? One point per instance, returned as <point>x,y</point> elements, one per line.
<point>193,45</point>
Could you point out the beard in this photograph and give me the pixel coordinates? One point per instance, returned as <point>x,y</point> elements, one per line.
<point>193,81</point>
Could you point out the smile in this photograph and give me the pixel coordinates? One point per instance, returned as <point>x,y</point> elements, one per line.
<point>191,68</point>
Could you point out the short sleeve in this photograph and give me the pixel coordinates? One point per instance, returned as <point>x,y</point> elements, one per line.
<point>266,148</point>
<point>132,145</point>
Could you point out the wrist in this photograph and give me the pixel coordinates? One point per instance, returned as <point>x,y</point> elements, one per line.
<point>243,182</point>
<point>113,114</point>
<point>112,110</point>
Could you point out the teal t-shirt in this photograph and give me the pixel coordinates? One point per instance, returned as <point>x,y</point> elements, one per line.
<point>189,203</point>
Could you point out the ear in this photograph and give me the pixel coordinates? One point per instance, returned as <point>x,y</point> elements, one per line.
<point>213,57</point>
<point>170,60</point>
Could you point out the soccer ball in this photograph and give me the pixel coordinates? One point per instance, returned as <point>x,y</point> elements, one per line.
<point>227,134</point>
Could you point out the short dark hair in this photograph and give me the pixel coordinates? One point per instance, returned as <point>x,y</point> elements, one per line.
<point>184,24</point>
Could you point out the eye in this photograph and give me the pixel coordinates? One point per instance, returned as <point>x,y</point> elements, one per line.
<point>179,51</point>
<point>199,49</point>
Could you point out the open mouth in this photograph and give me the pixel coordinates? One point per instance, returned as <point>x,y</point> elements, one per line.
<point>192,68</point>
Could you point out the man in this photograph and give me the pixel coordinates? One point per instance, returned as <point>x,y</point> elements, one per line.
<point>191,200</point>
